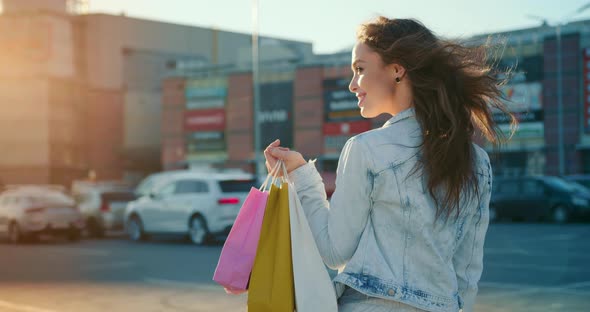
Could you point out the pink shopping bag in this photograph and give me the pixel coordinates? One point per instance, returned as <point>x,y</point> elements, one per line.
<point>238,253</point>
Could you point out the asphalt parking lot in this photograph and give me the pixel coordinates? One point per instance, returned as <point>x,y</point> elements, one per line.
<point>528,267</point>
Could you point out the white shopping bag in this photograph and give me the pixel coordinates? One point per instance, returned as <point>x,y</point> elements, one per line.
<point>314,290</point>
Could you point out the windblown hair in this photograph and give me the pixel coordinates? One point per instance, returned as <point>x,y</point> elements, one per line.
<point>456,89</point>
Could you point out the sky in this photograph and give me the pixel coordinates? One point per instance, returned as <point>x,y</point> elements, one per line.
<point>331,24</point>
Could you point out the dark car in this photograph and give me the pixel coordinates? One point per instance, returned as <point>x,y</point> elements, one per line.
<point>583,179</point>
<point>538,198</point>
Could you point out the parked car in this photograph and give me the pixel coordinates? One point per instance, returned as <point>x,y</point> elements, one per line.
<point>147,184</point>
<point>103,205</point>
<point>200,204</point>
<point>26,212</point>
<point>583,179</point>
<point>533,198</point>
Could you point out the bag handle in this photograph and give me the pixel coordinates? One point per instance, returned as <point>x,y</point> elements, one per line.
<point>272,173</point>
<point>276,177</point>
<point>285,174</point>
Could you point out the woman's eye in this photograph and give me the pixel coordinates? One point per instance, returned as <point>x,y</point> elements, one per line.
<point>359,69</point>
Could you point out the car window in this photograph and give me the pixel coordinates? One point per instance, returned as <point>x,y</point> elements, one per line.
<point>167,189</point>
<point>585,183</point>
<point>146,186</point>
<point>560,184</point>
<point>579,188</point>
<point>236,186</point>
<point>531,187</point>
<point>191,186</point>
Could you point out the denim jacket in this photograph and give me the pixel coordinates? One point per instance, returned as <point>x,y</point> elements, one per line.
<point>379,228</point>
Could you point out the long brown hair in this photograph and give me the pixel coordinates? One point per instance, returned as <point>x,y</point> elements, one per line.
<point>454,89</point>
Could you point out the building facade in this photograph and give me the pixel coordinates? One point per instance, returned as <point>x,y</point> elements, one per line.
<point>533,96</point>
<point>324,114</point>
<point>83,93</point>
<point>118,97</point>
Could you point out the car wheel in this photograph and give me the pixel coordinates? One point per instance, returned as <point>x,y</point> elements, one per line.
<point>493,214</point>
<point>14,233</point>
<point>560,214</point>
<point>135,229</point>
<point>74,235</point>
<point>94,229</point>
<point>198,232</point>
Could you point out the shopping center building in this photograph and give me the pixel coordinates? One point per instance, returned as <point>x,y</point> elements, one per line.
<point>81,94</point>
<point>121,97</point>
<point>308,106</point>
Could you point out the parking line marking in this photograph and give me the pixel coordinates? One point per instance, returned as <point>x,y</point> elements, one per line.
<point>537,267</point>
<point>21,307</point>
<point>521,286</point>
<point>506,285</point>
<point>522,289</point>
<point>520,251</point>
<point>555,237</point>
<point>173,283</point>
<point>576,285</point>
<point>78,251</point>
<point>110,265</point>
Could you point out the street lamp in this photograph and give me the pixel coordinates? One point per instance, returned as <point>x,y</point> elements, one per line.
<point>560,23</point>
<point>258,166</point>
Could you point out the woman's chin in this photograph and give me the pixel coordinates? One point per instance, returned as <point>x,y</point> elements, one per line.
<point>366,113</point>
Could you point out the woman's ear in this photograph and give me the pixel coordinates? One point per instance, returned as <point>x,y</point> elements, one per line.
<point>396,71</point>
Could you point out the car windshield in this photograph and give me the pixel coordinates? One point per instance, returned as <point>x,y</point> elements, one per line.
<point>580,188</point>
<point>146,186</point>
<point>560,184</point>
<point>237,186</point>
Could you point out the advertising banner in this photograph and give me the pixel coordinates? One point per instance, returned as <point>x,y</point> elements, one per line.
<point>345,128</point>
<point>206,141</point>
<point>276,111</point>
<point>196,92</point>
<point>524,101</point>
<point>204,120</point>
<point>523,97</point>
<point>205,103</point>
<point>339,103</point>
<point>337,133</point>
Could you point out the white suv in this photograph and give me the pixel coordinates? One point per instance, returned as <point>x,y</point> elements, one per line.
<point>200,204</point>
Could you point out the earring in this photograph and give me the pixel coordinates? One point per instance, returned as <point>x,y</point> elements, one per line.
<point>397,80</point>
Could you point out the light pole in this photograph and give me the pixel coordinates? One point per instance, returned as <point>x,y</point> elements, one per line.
<point>258,166</point>
<point>560,147</point>
<point>560,23</point>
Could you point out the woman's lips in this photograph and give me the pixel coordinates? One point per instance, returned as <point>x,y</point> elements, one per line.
<point>361,98</point>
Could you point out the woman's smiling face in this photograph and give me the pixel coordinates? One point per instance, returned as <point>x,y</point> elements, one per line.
<point>374,82</point>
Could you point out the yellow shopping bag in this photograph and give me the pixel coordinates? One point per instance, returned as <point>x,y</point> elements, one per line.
<point>271,283</point>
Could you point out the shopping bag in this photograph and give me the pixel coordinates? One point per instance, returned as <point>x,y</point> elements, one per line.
<point>239,251</point>
<point>314,290</point>
<point>271,284</point>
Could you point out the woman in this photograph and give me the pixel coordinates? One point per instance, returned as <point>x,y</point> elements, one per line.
<point>406,224</point>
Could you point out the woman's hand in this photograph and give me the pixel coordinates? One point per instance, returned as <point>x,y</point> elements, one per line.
<point>274,152</point>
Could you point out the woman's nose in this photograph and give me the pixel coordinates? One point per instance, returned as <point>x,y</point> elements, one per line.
<point>352,86</point>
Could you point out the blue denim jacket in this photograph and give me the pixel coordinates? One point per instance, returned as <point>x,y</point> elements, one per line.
<point>379,228</point>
